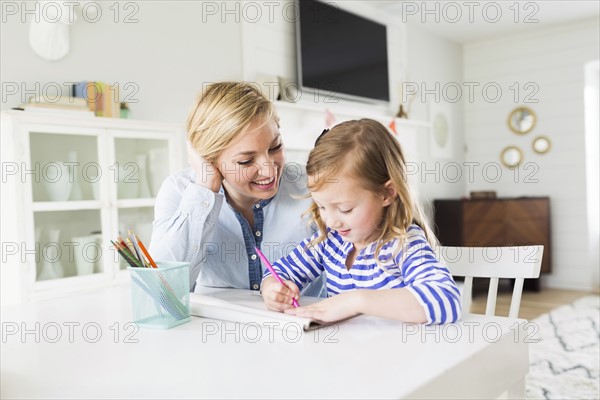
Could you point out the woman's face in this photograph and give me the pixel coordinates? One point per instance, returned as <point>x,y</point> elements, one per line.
<point>252,165</point>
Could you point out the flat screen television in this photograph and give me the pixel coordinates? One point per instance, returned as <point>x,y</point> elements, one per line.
<point>340,53</point>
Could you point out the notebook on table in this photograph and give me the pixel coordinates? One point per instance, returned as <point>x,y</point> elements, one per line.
<point>246,306</point>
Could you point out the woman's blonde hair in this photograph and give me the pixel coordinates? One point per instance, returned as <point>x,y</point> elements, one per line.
<point>221,112</point>
<point>365,151</point>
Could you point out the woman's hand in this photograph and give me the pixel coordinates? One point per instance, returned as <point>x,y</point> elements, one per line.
<point>278,297</point>
<point>335,308</point>
<point>207,174</point>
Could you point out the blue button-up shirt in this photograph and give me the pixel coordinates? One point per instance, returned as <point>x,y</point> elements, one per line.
<point>194,224</point>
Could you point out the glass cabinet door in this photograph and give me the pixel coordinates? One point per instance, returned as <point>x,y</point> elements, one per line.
<point>68,243</point>
<point>64,167</point>
<point>141,165</point>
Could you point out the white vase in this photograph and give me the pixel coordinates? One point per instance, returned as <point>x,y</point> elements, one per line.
<point>128,180</point>
<point>51,257</point>
<point>74,175</point>
<point>158,168</point>
<point>38,248</point>
<point>57,181</point>
<point>87,254</point>
<point>98,266</point>
<point>143,188</point>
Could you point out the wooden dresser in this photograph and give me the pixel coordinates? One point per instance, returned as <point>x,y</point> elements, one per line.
<point>496,222</point>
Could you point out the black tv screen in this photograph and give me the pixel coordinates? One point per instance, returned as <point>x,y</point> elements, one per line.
<point>341,53</point>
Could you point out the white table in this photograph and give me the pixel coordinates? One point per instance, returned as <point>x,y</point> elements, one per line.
<point>84,346</point>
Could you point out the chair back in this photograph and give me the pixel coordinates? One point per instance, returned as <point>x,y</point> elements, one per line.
<point>514,262</point>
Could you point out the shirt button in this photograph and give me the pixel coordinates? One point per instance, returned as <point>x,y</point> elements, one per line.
<point>205,203</point>
<point>253,256</point>
<point>255,286</point>
<point>257,205</point>
<point>257,233</point>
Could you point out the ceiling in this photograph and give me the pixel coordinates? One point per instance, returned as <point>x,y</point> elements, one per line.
<point>468,21</point>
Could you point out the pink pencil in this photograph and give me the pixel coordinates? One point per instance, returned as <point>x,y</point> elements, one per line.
<point>272,270</point>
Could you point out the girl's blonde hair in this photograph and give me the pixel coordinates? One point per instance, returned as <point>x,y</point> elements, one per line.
<point>222,111</point>
<point>365,151</point>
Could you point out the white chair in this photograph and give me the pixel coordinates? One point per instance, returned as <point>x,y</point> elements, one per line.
<point>516,262</point>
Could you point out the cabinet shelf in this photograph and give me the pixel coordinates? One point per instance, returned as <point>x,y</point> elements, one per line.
<point>131,203</point>
<point>66,205</point>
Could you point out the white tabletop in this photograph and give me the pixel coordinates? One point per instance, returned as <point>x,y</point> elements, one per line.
<point>84,346</point>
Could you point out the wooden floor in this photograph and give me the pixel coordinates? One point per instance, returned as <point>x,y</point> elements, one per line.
<point>533,304</point>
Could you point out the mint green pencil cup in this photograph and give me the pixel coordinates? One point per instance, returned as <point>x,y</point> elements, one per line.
<point>161,296</point>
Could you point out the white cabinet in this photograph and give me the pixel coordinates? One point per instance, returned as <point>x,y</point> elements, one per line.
<point>69,186</point>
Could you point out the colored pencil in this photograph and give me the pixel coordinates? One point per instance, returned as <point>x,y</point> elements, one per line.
<point>272,270</point>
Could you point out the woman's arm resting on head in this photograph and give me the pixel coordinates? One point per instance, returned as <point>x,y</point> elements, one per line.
<point>207,174</point>
<point>184,214</point>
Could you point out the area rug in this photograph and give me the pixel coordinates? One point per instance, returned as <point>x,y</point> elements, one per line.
<point>565,355</point>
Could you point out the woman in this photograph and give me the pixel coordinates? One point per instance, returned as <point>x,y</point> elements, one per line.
<point>236,196</point>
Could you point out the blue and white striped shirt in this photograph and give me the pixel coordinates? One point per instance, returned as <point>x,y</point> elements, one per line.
<point>414,267</point>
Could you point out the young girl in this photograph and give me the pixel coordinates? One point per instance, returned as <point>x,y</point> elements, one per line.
<point>371,235</point>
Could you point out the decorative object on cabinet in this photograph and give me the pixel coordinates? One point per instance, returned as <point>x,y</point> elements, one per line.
<point>406,99</point>
<point>158,160</point>
<point>541,145</point>
<point>88,252</point>
<point>289,90</point>
<point>440,144</point>
<point>522,120</point>
<point>483,194</point>
<point>33,142</point>
<point>143,187</point>
<point>74,177</point>
<point>124,111</point>
<point>511,156</point>
<point>128,177</point>
<point>496,222</point>
<point>51,254</point>
<point>57,181</point>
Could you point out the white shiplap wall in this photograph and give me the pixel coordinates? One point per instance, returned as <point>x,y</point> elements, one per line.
<point>553,60</point>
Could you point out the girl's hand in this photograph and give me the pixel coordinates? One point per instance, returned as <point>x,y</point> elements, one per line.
<point>335,308</point>
<point>207,174</point>
<point>278,297</point>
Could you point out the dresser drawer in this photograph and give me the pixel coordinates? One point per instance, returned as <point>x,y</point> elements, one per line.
<point>483,211</point>
<point>517,210</point>
<point>481,234</point>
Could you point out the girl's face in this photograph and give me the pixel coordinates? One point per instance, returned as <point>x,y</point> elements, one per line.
<point>352,211</point>
<point>251,166</point>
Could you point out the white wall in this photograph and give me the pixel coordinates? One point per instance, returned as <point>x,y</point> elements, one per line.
<point>168,55</point>
<point>553,61</point>
<point>431,60</point>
